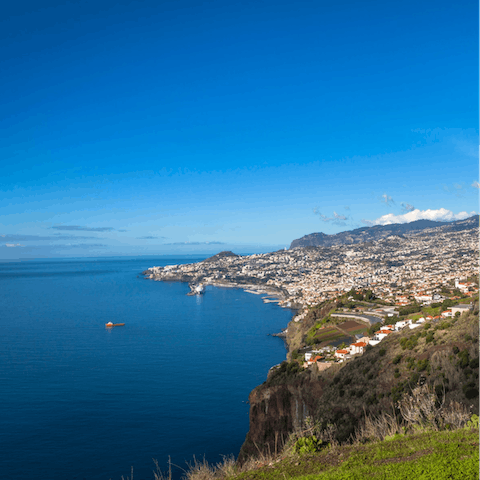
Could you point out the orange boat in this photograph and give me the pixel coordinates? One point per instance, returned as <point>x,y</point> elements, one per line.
<point>110,324</point>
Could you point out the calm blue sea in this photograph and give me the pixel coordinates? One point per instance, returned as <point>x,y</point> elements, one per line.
<point>79,401</point>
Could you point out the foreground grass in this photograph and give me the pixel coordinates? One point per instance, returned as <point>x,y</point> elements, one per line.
<point>426,456</point>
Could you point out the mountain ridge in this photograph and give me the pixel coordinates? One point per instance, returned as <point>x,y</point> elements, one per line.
<point>365,234</point>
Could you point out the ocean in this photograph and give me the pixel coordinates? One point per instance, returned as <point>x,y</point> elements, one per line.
<point>80,401</point>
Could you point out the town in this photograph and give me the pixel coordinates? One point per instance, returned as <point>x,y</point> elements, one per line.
<point>378,282</point>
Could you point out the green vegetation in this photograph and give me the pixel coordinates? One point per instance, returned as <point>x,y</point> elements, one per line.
<point>434,455</point>
<point>284,373</point>
<point>440,356</point>
<point>427,453</point>
<point>307,445</point>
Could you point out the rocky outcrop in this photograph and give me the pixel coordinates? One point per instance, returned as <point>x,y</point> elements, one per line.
<point>221,255</point>
<point>275,412</point>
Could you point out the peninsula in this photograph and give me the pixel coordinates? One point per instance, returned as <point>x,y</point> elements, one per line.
<point>395,268</point>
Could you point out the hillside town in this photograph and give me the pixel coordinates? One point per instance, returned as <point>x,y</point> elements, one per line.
<point>421,268</point>
<point>325,356</point>
<point>397,269</point>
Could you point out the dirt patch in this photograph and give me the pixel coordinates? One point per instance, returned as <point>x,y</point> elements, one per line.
<point>351,325</point>
<point>327,334</point>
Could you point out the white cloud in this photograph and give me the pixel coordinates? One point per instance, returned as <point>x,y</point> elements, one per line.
<point>440,215</point>
<point>476,184</point>
<point>387,199</point>
<point>13,245</point>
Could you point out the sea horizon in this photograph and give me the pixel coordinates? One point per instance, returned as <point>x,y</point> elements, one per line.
<point>88,402</point>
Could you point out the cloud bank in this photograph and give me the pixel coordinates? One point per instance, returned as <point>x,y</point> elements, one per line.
<point>150,237</point>
<point>440,215</point>
<point>195,243</point>
<point>78,228</point>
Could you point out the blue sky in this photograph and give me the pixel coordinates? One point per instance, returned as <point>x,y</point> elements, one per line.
<point>180,127</point>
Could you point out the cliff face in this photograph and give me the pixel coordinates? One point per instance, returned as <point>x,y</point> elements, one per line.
<point>275,412</point>
<point>442,355</point>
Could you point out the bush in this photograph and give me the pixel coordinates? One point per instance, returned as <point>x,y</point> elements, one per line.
<point>307,445</point>
<point>414,378</point>
<point>409,343</point>
<point>464,359</point>
<point>422,365</point>
<point>473,423</point>
<point>285,372</point>
<point>397,359</point>
<point>473,363</point>
<point>382,352</point>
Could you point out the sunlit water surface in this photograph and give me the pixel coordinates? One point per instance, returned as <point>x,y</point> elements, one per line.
<point>80,401</point>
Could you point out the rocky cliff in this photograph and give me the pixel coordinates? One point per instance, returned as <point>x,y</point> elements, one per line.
<point>277,410</point>
<point>442,355</point>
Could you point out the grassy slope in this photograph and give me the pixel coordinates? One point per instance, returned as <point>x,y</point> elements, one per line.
<point>432,455</point>
<point>443,355</point>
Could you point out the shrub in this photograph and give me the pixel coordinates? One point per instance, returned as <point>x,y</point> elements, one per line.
<point>414,378</point>
<point>422,365</point>
<point>473,423</point>
<point>307,445</point>
<point>410,363</point>
<point>470,391</point>
<point>382,352</point>
<point>285,372</point>
<point>397,359</point>
<point>473,363</point>
<point>464,359</point>
<point>429,338</point>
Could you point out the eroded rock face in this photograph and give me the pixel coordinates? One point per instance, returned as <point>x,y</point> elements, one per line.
<point>275,412</point>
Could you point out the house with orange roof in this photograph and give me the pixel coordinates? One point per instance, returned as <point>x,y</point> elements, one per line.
<point>341,354</point>
<point>312,361</point>
<point>357,348</point>
<point>381,334</point>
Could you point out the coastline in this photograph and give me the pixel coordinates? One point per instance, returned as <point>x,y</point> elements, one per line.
<point>272,294</point>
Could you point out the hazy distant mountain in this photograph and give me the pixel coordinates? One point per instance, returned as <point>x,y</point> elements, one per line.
<point>366,234</point>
